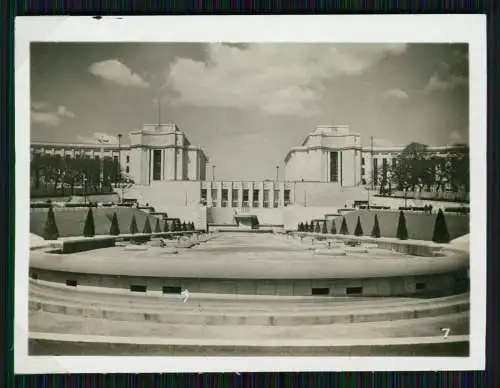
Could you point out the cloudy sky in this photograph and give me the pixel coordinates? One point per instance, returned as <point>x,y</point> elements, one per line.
<point>248,104</point>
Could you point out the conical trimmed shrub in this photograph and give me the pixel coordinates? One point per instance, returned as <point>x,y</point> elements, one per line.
<point>306,227</point>
<point>192,226</point>
<point>184,226</point>
<point>114,230</point>
<point>147,227</point>
<point>317,228</point>
<point>376,228</point>
<point>359,229</point>
<point>165,227</point>
<point>300,227</point>
<point>89,227</point>
<point>50,231</point>
<point>441,234</point>
<point>133,225</point>
<point>333,229</point>
<point>157,227</point>
<point>323,230</point>
<point>402,232</point>
<point>343,227</point>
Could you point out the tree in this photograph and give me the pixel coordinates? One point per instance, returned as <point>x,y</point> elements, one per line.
<point>441,234</point>
<point>133,225</point>
<point>89,227</point>
<point>300,227</point>
<point>333,229</point>
<point>311,227</point>
<point>359,230</point>
<point>324,230</point>
<point>376,228</point>
<point>317,228</point>
<point>191,226</point>
<point>173,226</point>
<point>147,227</point>
<point>50,231</point>
<point>184,226</point>
<point>343,227</point>
<point>114,230</point>
<point>165,227</point>
<point>306,227</point>
<point>402,232</point>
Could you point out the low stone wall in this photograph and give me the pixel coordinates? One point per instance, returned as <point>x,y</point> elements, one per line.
<point>435,285</point>
<point>414,248</point>
<point>89,244</point>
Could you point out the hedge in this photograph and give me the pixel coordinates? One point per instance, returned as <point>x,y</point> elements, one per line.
<point>87,245</point>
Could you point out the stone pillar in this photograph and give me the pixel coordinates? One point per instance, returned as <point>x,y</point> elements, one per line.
<point>150,166</point>
<point>240,196</point>
<point>209,194</point>
<point>261,194</point>
<point>219,195</point>
<point>250,195</point>
<point>282,195</point>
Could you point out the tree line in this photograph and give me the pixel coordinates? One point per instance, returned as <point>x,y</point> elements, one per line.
<point>416,169</point>
<point>55,174</point>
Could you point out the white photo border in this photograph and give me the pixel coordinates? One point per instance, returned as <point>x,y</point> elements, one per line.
<point>469,29</point>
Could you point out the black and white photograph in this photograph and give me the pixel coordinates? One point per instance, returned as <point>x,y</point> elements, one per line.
<point>236,198</point>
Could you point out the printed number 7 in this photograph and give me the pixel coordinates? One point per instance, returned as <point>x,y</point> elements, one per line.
<point>445,331</point>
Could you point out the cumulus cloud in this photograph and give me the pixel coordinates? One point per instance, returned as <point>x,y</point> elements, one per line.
<point>42,113</point>
<point>62,111</point>
<point>397,93</point>
<point>115,71</point>
<point>98,138</point>
<point>458,137</point>
<point>273,78</point>
<point>439,82</point>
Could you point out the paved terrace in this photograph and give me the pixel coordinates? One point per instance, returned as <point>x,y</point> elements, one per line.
<point>248,256</point>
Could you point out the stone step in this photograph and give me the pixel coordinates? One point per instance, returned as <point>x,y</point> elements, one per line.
<point>175,303</point>
<point>420,327</point>
<point>225,302</point>
<point>244,316</point>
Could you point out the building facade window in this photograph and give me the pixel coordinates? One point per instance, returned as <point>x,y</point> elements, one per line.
<point>334,173</point>
<point>287,197</point>
<point>224,198</point>
<point>128,158</point>
<point>245,197</point>
<point>204,194</point>
<point>156,165</point>
<point>127,169</point>
<point>362,161</point>
<point>276,199</point>
<point>255,198</point>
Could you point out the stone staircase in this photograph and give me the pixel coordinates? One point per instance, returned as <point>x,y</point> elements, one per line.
<point>210,323</point>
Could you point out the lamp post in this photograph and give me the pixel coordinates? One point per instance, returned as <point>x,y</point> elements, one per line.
<point>85,190</point>
<point>277,173</point>
<point>119,167</point>
<point>213,172</point>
